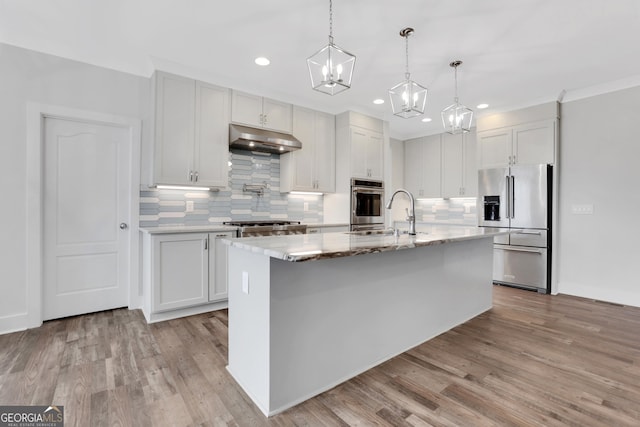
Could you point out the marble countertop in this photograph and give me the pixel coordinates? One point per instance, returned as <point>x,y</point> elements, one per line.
<point>178,228</point>
<point>308,247</point>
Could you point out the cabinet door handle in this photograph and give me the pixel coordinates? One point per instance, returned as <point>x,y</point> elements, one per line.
<point>206,244</point>
<point>196,175</point>
<point>514,159</point>
<point>264,119</point>
<point>190,176</point>
<point>221,235</point>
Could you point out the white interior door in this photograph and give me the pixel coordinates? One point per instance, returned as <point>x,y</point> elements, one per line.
<point>87,189</point>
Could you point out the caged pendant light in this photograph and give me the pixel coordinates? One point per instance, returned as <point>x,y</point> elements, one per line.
<point>331,68</point>
<point>408,98</point>
<point>456,118</point>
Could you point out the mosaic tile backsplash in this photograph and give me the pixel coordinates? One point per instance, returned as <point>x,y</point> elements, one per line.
<point>165,207</point>
<point>447,211</point>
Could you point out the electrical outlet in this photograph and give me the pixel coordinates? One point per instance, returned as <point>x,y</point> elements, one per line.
<point>189,206</point>
<point>582,209</point>
<point>245,282</point>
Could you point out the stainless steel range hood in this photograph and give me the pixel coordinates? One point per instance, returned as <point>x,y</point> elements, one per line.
<point>255,139</point>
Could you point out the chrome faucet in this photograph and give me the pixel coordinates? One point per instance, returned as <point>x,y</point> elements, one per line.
<point>411,212</point>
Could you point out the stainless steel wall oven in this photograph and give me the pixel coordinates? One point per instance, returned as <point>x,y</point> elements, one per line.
<point>367,204</point>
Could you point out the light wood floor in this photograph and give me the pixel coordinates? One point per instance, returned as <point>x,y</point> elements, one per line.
<point>531,360</point>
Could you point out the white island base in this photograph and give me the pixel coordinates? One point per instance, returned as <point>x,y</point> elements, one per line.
<point>300,328</point>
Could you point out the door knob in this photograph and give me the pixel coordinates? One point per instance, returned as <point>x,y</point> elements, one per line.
<point>123,226</point>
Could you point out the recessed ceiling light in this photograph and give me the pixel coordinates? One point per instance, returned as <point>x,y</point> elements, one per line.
<point>378,101</point>
<point>262,61</point>
<point>481,106</point>
<point>426,119</point>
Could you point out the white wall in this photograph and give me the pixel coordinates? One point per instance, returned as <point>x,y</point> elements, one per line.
<point>599,254</point>
<point>27,76</point>
<point>396,180</point>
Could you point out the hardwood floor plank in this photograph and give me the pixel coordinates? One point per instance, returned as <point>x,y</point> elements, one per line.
<point>534,360</point>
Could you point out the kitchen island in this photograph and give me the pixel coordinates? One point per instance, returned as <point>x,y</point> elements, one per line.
<point>307,312</point>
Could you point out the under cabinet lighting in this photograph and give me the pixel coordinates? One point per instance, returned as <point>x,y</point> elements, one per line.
<point>306,193</point>
<point>182,187</point>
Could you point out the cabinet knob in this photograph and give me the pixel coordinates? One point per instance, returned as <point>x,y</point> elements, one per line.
<point>123,226</point>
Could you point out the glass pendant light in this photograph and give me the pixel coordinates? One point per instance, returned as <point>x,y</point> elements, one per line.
<point>456,118</point>
<point>331,68</point>
<point>408,98</point>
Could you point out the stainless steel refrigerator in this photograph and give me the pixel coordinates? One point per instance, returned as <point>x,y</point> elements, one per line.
<point>519,197</point>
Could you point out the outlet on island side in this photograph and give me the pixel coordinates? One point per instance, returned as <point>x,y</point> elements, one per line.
<point>245,282</point>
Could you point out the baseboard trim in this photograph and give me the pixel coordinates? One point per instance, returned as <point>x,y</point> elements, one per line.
<point>600,293</point>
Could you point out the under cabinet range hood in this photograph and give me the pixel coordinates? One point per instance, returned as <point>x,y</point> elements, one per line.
<point>255,139</point>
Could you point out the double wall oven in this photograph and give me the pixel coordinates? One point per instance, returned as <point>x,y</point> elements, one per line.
<point>367,205</point>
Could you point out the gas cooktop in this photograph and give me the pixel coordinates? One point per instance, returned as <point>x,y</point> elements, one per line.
<point>253,223</point>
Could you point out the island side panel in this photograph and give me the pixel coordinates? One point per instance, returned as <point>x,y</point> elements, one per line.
<point>335,318</point>
<point>249,324</point>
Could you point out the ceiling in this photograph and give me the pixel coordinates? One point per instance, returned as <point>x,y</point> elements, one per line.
<point>515,53</point>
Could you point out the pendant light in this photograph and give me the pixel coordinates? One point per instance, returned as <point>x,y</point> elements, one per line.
<point>408,98</point>
<point>456,118</point>
<point>331,68</point>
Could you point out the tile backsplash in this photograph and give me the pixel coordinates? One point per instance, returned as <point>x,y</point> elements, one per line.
<point>447,211</point>
<point>164,207</point>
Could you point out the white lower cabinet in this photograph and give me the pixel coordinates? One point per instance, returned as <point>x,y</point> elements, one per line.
<point>218,290</point>
<point>180,271</point>
<point>186,270</point>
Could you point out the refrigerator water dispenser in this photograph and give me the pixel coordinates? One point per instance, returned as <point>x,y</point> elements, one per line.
<point>492,208</point>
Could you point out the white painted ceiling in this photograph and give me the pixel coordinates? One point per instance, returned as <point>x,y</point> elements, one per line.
<point>516,52</point>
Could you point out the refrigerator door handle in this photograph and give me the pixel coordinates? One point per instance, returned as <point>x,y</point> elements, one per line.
<point>508,197</point>
<point>533,251</point>
<point>512,197</point>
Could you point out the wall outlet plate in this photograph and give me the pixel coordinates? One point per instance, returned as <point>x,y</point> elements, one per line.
<point>189,206</point>
<point>582,209</point>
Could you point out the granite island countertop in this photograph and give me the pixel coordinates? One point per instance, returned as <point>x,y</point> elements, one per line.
<point>181,228</point>
<point>309,247</point>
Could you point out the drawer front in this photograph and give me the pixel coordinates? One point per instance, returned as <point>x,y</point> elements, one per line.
<point>529,237</point>
<point>520,266</point>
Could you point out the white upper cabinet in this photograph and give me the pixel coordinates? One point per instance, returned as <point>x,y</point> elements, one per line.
<point>212,135</point>
<point>191,132</point>
<point>256,111</point>
<point>312,168</point>
<point>526,144</point>
<point>366,153</point>
<point>423,166</point>
<point>459,165</point>
<point>494,148</point>
<point>534,143</point>
<point>521,137</point>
